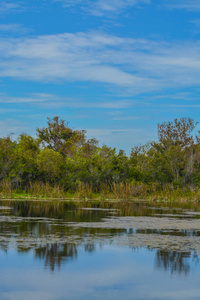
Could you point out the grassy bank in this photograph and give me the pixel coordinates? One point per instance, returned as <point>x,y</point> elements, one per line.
<point>122,191</point>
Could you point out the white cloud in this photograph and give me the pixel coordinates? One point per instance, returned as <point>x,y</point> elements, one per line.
<point>121,137</point>
<point>126,118</point>
<point>196,22</point>
<point>192,5</point>
<point>103,7</point>
<point>9,6</point>
<point>110,7</point>
<point>140,65</point>
<point>104,132</point>
<point>31,98</point>
<point>185,105</point>
<point>9,126</point>
<point>12,28</point>
<point>177,96</point>
<point>54,101</point>
<point>9,110</point>
<point>115,104</point>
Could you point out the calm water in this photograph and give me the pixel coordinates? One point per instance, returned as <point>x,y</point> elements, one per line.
<point>58,251</point>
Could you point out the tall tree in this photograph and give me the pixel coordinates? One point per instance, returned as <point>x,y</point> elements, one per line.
<point>6,157</point>
<point>50,164</point>
<point>58,136</point>
<point>24,170</point>
<point>178,146</point>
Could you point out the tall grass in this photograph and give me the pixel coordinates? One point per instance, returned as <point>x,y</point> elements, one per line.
<point>128,190</point>
<point>169,192</point>
<point>40,189</point>
<point>84,191</point>
<point>112,191</point>
<point>6,189</point>
<point>104,190</point>
<point>118,191</point>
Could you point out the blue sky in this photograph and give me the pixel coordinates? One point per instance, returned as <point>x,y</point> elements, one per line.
<point>115,68</point>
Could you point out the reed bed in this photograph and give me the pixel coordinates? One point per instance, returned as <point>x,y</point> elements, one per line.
<point>6,189</point>
<point>127,191</point>
<point>84,191</point>
<point>117,191</point>
<point>40,189</point>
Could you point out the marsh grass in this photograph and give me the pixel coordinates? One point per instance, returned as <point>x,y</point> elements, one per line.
<point>168,192</point>
<point>40,189</point>
<point>6,189</point>
<point>122,191</point>
<point>104,191</point>
<point>128,190</point>
<point>115,191</point>
<point>84,191</point>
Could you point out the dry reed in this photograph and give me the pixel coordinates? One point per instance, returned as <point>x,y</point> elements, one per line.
<point>84,191</point>
<point>128,190</point>
<point>6,189</point>
<point>40,189</point>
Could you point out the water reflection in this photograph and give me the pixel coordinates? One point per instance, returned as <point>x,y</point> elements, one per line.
<point>176,262</point>
<point>55,254</point>
<point>90,247</point>
<point>45,229</point>
<point>174,232</point>
<point>94,211</point>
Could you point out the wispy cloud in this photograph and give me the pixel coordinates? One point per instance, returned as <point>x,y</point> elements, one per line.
<point>103,7</point>
<point>196,22</point>
<point>13,28</point>
<point>32,98</point>
<point>9,126</point>
<point>104,132</point>
<point>118,137</point>
<point>184,105</point>
<point>112,7</point>
<point>186,96</point>
<point>98,103</point>
<point>140,65</point>
<point>192,5</point>
<point>10,6</point>
<point>126,118</point>
<point>9,110</point>
<point>55,101</point>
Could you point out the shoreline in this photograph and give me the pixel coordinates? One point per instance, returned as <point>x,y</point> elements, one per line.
<point>100,200</point>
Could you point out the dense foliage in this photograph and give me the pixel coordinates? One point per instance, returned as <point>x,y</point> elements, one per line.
<point>65,157</point>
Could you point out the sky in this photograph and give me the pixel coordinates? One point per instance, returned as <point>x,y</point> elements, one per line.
<point>115,68</point>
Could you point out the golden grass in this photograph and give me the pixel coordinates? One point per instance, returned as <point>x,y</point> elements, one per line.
<point>117,191</point>
<point>84,191</point>
<point>6,189</point>
<point>40,189</point>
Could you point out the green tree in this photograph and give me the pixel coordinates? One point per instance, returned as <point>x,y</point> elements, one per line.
<point>24,170</point>
<point>59,137</point>
<point>50,165</point>
<point>140,163</point>
<point>177,145</point>
<point>6,157</point>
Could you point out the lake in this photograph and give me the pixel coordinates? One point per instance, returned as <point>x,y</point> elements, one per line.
<point>90,250</point>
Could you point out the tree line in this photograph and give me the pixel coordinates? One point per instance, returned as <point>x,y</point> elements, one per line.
<point>60,155</point>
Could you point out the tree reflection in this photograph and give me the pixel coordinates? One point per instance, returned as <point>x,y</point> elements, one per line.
<point>90,247</point>
<point>55,254</point>
<point>176,262</point>
<point>4,246</point>
<point>29,224</point>
<point>73,211</point>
